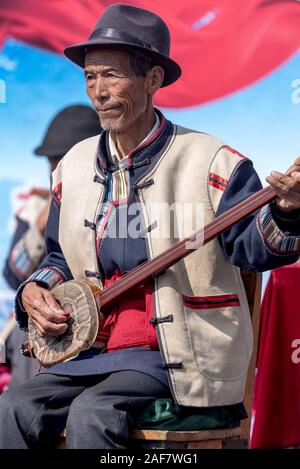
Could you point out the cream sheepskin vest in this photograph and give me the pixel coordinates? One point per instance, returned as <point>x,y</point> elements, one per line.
<point>203,321</point>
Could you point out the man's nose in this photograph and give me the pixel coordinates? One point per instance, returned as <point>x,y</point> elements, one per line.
<point>101,88</point>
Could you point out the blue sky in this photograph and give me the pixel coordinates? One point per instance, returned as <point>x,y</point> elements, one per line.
<point>261,121</point>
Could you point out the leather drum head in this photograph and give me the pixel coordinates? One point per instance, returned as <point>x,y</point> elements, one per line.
<point>77,298</point>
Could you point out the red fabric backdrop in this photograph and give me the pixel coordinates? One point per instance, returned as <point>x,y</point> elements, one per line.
<point>276,405</point>
<point>222,45</point>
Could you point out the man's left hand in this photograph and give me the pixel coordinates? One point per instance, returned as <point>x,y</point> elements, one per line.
<point>287,187</point>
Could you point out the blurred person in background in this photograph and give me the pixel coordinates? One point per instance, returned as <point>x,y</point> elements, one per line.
<point>68,127</point>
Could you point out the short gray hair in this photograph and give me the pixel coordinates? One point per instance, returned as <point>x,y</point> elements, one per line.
<point>139,62</point>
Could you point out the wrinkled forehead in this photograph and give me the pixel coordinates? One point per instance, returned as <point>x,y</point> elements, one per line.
<point>106,57</point>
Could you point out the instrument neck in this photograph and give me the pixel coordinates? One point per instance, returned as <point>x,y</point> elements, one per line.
<point>183,248</point>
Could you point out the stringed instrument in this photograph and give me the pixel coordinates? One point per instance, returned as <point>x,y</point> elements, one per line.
<point>87,302</point>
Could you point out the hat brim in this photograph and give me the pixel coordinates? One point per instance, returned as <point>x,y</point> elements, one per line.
<point>44,150</point>
<point>76,54</point>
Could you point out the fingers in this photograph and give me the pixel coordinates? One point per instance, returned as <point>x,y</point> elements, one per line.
<point>45,327</point>
<point>50,313</point>
<point>293,173</point>
<point>287,188</point>
<point>45,312</point>
<point>48,331</point>
<point>55,313</point>
<point>295,167</point>
<point>290,181</point>
<point>297,161</point>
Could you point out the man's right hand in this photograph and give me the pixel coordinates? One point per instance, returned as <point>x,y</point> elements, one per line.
<point>44,311</point>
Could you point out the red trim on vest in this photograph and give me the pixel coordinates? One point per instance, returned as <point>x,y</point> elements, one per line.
<point>148,141</point>
<point>217,181</point>
<point>232,150</point>
<point>57,191</point>
<point>210,302</point>
<point>128,324</point>
<point>216,185</point>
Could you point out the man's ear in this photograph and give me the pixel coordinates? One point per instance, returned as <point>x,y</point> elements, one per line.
<point>155,79</point>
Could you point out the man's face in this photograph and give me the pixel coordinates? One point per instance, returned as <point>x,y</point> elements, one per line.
<point>119,95</point>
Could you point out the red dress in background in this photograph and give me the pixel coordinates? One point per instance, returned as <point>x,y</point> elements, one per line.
<point>276,405</point>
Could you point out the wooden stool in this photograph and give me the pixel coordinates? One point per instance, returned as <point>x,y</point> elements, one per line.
<point>202,439</point>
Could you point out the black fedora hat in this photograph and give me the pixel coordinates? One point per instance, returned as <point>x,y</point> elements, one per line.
<point>125,26</point>
<point>69,126</point>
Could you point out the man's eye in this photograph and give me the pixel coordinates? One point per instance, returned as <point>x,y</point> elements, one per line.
<point>89,76</point>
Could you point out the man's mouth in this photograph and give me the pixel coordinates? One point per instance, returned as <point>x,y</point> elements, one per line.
<point>108,109</point>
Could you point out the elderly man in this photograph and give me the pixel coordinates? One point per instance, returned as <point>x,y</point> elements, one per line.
<point>186,333</point>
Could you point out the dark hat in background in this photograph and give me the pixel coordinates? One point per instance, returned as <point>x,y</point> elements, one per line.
<point>131,28</point>
<point>69,126</point>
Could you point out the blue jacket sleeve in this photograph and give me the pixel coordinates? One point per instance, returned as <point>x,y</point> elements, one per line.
<point>266,239</point>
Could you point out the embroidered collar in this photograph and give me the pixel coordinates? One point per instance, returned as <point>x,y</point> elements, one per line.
<point>104,158</point>
<point>114,153</point>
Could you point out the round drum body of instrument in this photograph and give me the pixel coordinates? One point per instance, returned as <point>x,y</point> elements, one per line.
<point>78,298</point>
